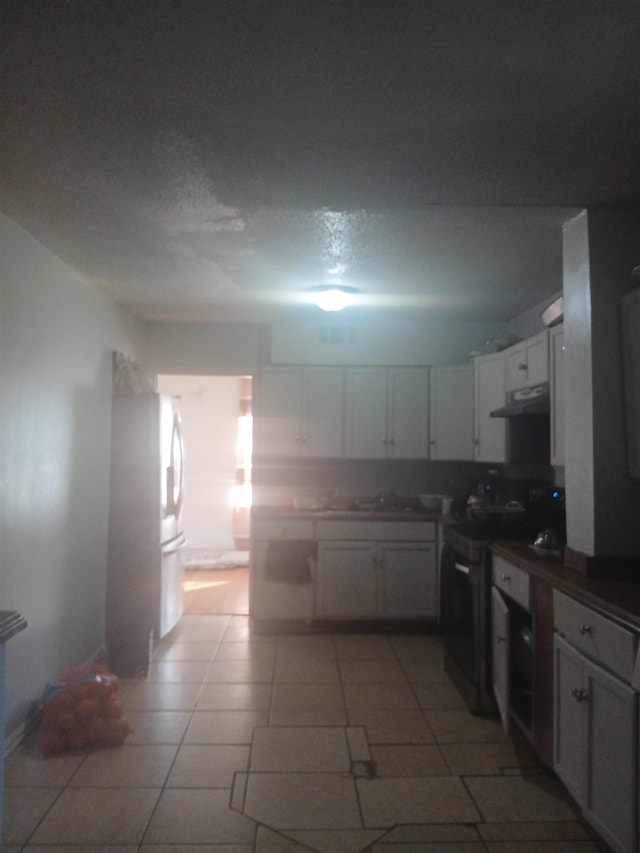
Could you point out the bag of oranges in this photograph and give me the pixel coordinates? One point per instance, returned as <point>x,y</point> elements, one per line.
<point>83,708</point>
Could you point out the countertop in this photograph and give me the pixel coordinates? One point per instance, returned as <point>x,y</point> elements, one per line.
<point>285,512</point>
<point>618,599</point>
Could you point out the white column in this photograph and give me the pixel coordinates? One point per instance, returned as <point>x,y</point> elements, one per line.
<point>600,249</point>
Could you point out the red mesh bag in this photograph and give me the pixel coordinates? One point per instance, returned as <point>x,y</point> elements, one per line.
<point>83,708</point>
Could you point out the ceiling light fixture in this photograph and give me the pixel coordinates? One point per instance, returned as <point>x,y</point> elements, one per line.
<point>332,297</point>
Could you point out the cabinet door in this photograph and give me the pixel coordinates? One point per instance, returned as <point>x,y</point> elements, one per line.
<point>527,363</point>
<point>408,413</point>
<point>366,413</point>
<point>489,433</point>
<point>451,412</point>
<point>570,750</point>
<point>500,655</point>
<point>611,779</point>
<point>557,395</point>
<point>407,580</point>
<point>322,412</point>
<point>346,580</point>
<point>278,427</point>
<point>275,600</point>
<point>538,359</point>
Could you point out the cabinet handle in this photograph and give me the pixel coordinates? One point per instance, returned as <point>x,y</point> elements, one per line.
<point>501,639</point>
<point>522,367</point>
<point>579,695</point>
<point>506,578</point>
<point>584,629</point>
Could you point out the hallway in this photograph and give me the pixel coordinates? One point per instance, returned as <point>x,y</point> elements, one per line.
<point>334,743</point>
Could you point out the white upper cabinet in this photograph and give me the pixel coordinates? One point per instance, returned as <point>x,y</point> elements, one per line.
<point>451,412</point>
<point>490,443</point>
<point>631,349</point>
<point>301,412</point>
<point>556,357</point>
<point>387,413</point>
<point>527,363</point>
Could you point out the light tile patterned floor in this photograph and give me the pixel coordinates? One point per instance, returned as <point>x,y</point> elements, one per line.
<point>289,744</point>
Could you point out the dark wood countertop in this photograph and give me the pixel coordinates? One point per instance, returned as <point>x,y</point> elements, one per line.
<point>284,512</point>
<point>617,599</point>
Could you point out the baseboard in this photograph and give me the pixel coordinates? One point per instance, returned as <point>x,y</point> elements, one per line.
<point>202,558</point>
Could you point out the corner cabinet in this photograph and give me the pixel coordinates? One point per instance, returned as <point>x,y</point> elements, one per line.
<point>451,413</point>
<point>490,443</point>
<point>387,413</point>
<point>300,412</point>
<point>596,719</point>
<point>631,352</point>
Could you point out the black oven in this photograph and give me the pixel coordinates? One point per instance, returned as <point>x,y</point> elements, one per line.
<point>465,587</point>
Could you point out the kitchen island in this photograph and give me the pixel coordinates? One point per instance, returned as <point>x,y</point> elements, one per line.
<point>319,568</point>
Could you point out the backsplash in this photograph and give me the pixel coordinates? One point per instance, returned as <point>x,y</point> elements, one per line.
<point>282,482</point>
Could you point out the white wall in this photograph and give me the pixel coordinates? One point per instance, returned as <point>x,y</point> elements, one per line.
<point>388,341</point>
<point>207,348</point>
<point>56,337</point>
<point>209,410</point>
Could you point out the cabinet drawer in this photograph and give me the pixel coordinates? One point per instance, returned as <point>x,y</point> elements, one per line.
<point>513,581</point>
<point>598,637</point>
<point>394,531</point>
<point>285,528</point>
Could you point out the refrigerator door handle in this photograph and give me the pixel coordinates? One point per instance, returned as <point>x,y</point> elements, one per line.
<point>175,544</point>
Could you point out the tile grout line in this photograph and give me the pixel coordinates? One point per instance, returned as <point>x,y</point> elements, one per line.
<point>163,788</point>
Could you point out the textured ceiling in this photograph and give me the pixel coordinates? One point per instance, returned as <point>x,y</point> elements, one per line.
<point>211,160</point>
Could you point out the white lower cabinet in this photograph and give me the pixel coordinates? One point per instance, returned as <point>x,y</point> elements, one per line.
<point>359,569</point>
<point>407,580</point>
<point>500,656</point>
<point>511,635</point>
<point>346,580</point>
<point>595,728</point>
<point>376,580</point>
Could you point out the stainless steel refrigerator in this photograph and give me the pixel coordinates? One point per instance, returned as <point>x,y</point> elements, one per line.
<point>146,535</point>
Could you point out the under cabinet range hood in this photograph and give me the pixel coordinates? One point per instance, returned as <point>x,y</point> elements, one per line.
<point>526,401</point>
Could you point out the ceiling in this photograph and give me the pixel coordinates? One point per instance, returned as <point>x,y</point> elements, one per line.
<point>210,161</point>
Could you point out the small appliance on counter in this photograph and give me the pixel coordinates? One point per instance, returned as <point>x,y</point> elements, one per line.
<point>547,545</point>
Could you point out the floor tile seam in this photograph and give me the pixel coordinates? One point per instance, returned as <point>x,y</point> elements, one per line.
<point>44,816</point>
<point>332,659</point>
<point>181,742</point>
<point>412,686</point>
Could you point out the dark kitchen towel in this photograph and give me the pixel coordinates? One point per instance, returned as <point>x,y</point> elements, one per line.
<point>288,560</point>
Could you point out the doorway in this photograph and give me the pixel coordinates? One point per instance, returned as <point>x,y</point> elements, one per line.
<point>218,428</point>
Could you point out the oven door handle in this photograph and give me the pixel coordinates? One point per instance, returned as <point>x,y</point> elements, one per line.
<point>460,567</point>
